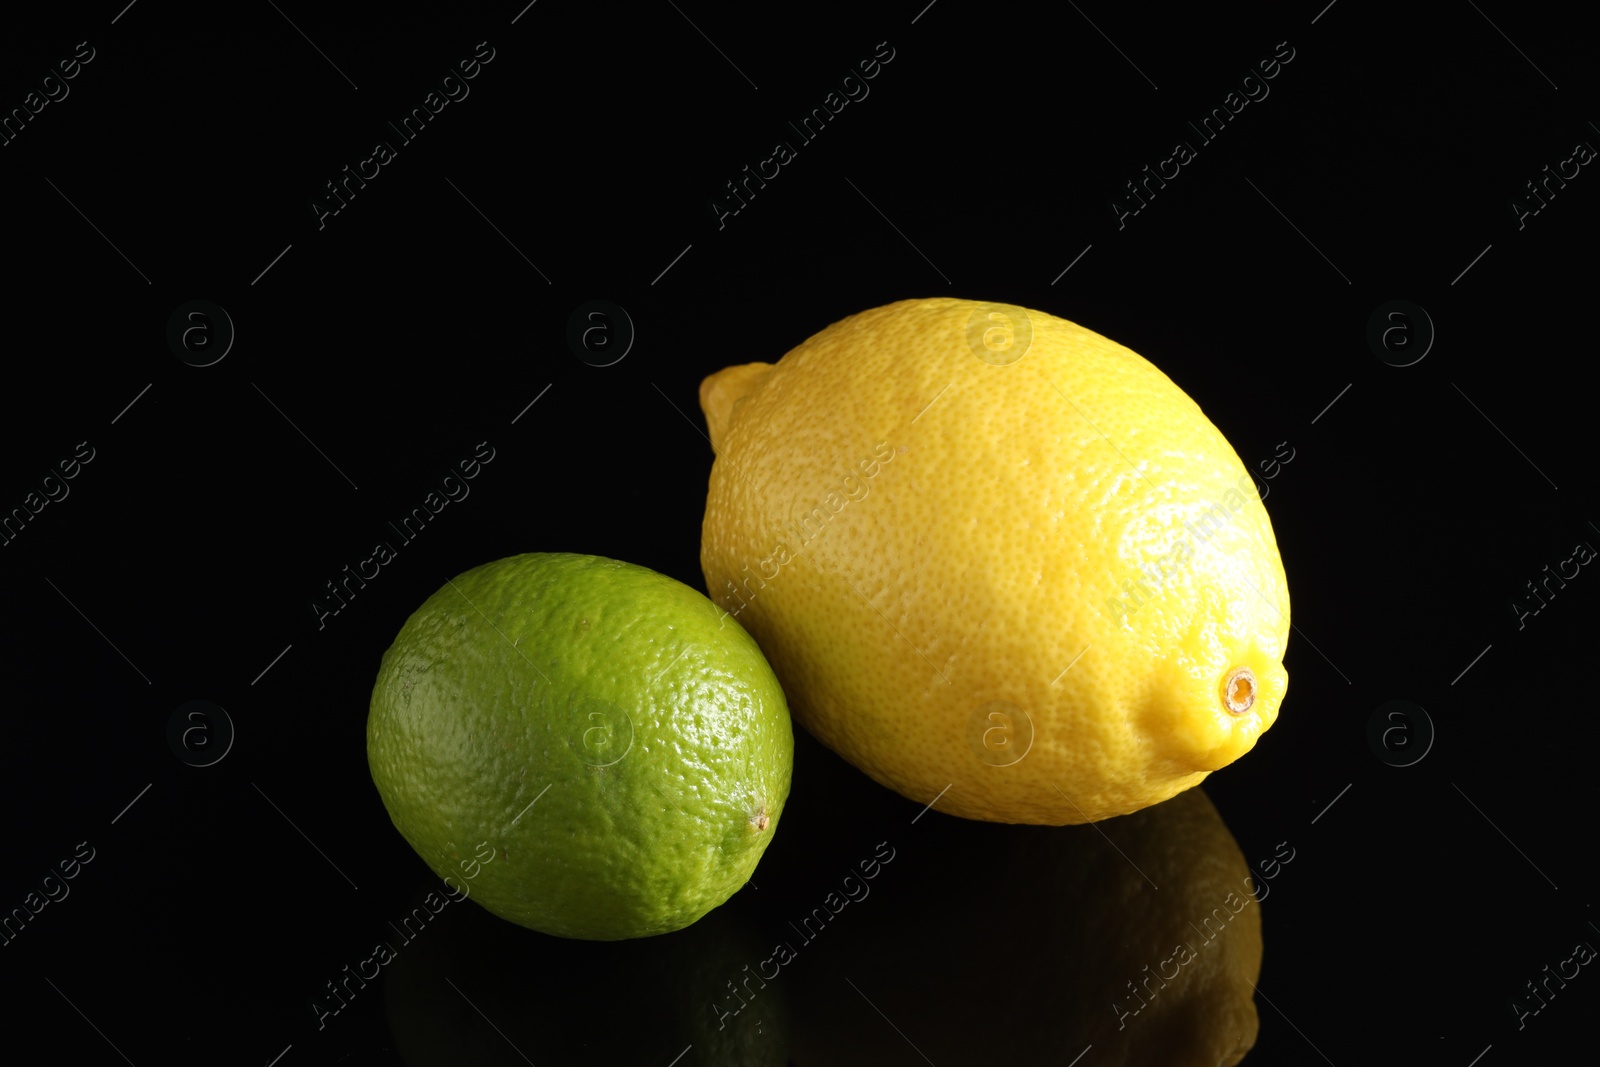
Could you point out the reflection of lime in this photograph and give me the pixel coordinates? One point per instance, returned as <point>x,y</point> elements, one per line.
<point>472,990</point>
<point>615,745</point>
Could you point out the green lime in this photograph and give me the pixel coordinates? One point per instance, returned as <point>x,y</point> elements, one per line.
<point>583,746</point>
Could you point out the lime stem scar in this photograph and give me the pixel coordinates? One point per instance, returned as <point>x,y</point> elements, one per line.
<point>1239,691</point>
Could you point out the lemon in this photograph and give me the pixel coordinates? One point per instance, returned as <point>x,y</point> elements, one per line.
<point>584,746</point>
<point>997,561</point>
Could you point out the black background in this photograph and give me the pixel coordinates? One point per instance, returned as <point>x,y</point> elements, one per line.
<point>426,316</point>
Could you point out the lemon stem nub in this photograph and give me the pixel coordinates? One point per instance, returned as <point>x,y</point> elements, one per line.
<point>1239,691</point>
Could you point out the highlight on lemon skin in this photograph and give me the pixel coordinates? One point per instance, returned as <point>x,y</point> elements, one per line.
<point>989,551</point>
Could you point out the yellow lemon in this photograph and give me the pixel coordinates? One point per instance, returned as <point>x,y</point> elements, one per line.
<point>997,561</point>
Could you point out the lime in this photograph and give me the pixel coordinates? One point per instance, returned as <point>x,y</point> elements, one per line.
<point>583,746</point>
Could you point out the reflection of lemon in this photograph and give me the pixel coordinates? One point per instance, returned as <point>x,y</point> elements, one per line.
<point>1021,945</point>
<point>987,549</point>
<point>617,747</point>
